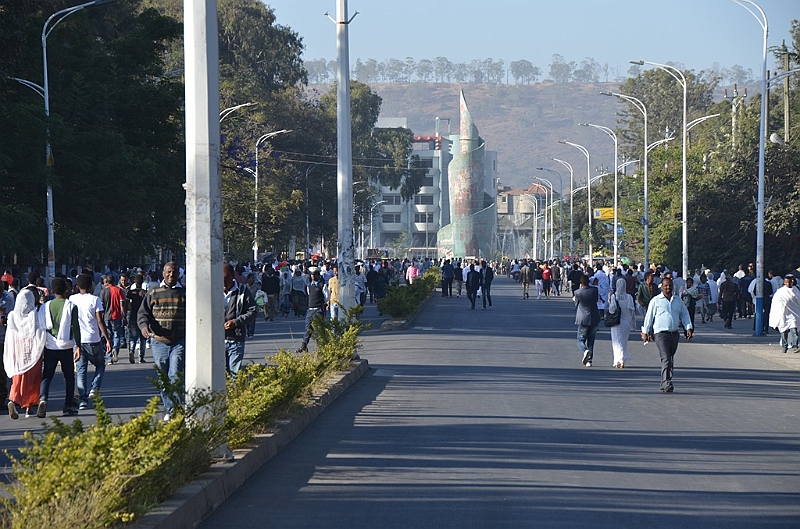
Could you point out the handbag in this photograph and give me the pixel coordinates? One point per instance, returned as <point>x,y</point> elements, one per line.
<point>612,318</point>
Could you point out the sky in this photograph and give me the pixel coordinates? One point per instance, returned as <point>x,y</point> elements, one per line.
<point>695,33</point>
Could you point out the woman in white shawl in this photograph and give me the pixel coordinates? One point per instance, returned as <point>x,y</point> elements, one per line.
<point>621,300</point>
<point>784,313</point>
<point>22,357</point>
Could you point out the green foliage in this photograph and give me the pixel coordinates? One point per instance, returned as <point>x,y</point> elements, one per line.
<point>403,300</point>
<point>106,474</point>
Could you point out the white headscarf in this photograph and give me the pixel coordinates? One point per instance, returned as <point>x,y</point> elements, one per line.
<point>25,337</point>
<point>625,301</point>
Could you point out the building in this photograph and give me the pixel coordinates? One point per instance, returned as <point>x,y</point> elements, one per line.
<point>516,230</point>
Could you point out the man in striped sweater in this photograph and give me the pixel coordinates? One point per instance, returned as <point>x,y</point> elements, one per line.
<point>162,316</point>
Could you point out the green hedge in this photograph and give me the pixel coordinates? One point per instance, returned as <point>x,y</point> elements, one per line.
<point>108,473</point>
<point>404,299</point>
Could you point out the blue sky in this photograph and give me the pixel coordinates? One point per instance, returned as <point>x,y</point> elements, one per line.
<point>696,33</point>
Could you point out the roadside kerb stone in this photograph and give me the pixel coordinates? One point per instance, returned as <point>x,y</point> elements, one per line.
<point>196,500</point>
<point>401,324</point>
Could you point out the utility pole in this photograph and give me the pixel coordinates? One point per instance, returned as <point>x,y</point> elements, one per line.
<point>344,166</point>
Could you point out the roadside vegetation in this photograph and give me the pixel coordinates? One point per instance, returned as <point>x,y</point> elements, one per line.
<point>403,300</point>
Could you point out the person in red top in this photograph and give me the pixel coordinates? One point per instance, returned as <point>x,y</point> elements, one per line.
<point>547,279</point>
<point>113,299</point>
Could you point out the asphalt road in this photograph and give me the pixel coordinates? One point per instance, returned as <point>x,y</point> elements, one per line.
<point>478,418</point>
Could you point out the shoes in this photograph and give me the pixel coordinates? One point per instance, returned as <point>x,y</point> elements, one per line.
<point>302,349</point>
<point>130,357</point>
<point>114,356</point>
<point>92,393</point>
<point>785,350</point>
<point>142,361</point>
<point>83,405</point>
<point>28,414</point>
<point>588,364</point>
<point>109,363</point>
<point>12,410</point>
<point>668,389</point>
<point>796,350</point>
<point>585,359</point>
<point>355,356</point>
<point>69,412</point>
<point>167,417</point>
<point>41,412</point>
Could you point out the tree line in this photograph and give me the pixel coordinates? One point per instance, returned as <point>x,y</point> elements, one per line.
<point>522,71</point>
<point>116,127</point>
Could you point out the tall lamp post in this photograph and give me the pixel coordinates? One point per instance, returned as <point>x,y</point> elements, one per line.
<point>534,202</point>
<point>613,136</point>
<point>49,25</point>
<point>640,106</point>
<point>264,137</point>
<point>571,185</point>
<point>560,208</point>
<point>308,226</point>
<point>548,187</point>
<point>759,305</point>
<point>679,77</point>
<point>585,152</point>
<point>224,113</point>
<point>372,224</point>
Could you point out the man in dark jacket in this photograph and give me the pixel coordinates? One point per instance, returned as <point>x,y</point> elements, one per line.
<point>271,284</point>
<point>473,283</point>
<point>240,310</point>
<point>587,318</point>
<point>316,305</point>
<point>447,279</point>
<point>487,276</point>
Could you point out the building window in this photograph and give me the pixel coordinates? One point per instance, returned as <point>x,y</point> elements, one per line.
<point>425,162</point>
<point>391,218</point>
<point>393,200</point>
<point>423,218</point>
<point>423,200</point>
<point>494,165</point>
<point>427,181</point>
<point>504,199</point>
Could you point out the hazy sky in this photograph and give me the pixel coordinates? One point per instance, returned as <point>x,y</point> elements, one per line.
<point>696,33</point>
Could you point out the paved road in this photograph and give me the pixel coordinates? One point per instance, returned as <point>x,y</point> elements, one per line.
<point>480,418</point>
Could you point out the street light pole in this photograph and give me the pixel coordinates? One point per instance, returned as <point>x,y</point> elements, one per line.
<point>585,152</point>
<point>372,223</point>
<point>613,136</point>
<point>560,208</point>
<point>640,106</point>
<point>571,185</point>
<point>230,110</point>
<point>759,304</point>
<point>679,77</point>
<point>307,251</point>
<point>55,18</point>
<point>550,187</point>
<point>264,137</point>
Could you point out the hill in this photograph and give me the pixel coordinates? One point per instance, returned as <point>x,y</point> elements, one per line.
<point>523,123</point>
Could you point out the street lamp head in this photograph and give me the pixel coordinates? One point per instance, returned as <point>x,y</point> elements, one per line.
<point>101,2</point>
<point>583,124</point>
<point>540,168</point>
<point>640,63</point>
<point>564,142</point>
<point>606,94</point>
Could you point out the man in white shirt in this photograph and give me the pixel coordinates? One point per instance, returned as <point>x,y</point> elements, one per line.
<point>90,318</point>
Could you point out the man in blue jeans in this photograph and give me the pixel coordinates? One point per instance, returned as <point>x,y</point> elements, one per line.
<point>90,318</point>
<point>162,317</point>
<point>240,312</point>
<point>587,318</point>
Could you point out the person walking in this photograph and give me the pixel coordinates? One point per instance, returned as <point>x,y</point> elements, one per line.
<point>59,317</point>
<point>525,277</point>
<point>664,314</point>
<point>487,276</point>
<point>646,292</point>
<point>162,317</point>
<point>331,291</point>
<point>587,318</point>
<point>784,314</point>
<point>472,283</point>
<point>113,302</point>
<point>22,354</point>
<point>92,324</point>
<point>728,296</point>
<point>447,279</point>
<point>239,314</point>
<point>547,279</point>
<point>458,277</point>
<point>623,302</point>
<point>316,306</point>
<point>135,296</point>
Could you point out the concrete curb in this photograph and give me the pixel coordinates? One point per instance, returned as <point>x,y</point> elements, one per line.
<point>198,499</point>
<point>402,324</point>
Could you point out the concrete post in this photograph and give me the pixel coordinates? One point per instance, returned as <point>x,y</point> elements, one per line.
<point>205,363</point>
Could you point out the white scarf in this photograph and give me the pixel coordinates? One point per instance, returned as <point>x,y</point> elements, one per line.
<point>62,339</point>
<point>25,337</point>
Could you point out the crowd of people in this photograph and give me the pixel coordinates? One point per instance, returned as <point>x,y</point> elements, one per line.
<point>89,317</point>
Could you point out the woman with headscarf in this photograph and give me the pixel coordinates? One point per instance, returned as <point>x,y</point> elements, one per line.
<point>622,301</point>
<point>22,357</point>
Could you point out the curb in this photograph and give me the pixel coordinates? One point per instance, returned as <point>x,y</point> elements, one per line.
<point>199,498</point>
<point>403,324</point>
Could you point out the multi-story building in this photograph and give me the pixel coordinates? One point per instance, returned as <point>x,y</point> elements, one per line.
<point>516,210</point>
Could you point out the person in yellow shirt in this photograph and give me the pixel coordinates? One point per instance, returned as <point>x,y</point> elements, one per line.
<point>332,294</point>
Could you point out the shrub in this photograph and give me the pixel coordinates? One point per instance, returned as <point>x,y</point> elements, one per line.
<point>404,300</point>
<point>107,474</point>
